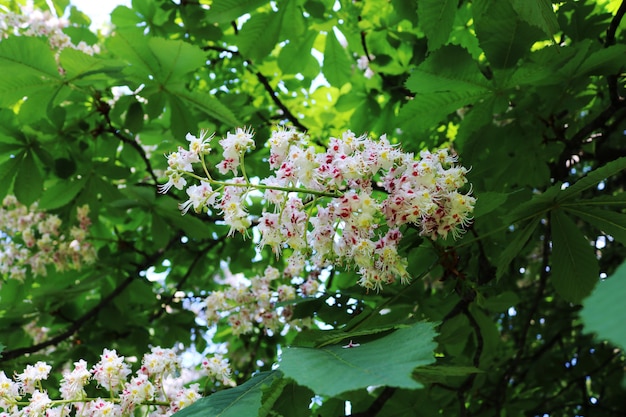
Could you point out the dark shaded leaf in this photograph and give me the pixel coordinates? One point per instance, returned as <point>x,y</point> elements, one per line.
<point>574,268</point>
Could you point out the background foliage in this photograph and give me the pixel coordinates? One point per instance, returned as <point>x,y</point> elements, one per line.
<point>528,92</point>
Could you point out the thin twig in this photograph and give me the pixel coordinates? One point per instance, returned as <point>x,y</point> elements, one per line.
<point>117,133</point>
<point>378,403</point>
<point>288,114</point>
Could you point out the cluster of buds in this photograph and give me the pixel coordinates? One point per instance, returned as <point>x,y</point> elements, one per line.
<point>34,22</point>
<point>342,206</point>
<point>246,303</point>
<point>153,389</point>
<point>31,240</point>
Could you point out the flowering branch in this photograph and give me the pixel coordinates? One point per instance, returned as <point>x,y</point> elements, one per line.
<point>348,222</point>
<point>152,388</point>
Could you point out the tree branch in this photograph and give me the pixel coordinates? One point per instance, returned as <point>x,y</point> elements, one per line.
<point>615,22</point>
<point>76,325</point>
<point>292,118</point>
<point>499,395</point>
<point>617,103</point>
<point>103,109</point>
<point>266,84</point>
<point>378,403</point>
<point>168,300</point>
<point>81,321</point>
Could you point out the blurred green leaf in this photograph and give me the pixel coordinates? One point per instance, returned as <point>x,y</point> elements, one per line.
<point>604,311</point>
<point>28,67</point>
<point>337,66</point>
<point>28,180</point>
<point>226,11</point>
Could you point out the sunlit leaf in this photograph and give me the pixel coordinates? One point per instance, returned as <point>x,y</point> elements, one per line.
<point>337,66</point>
<point>28,67</point>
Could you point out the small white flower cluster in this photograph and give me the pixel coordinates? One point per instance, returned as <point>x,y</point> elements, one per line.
<point>33,239</point>
<point>242,306</point>
<point>363,63</point>
<point>34,22</point>
<point>218,368</point>
<point>343,206</point>
<point>151,387</point>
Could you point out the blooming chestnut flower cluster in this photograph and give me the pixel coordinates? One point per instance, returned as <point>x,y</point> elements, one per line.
<point>34,22</point>
<point>243,305</point>
<point>344,205</point>
<point>151,389</point>
<point>31,240</point>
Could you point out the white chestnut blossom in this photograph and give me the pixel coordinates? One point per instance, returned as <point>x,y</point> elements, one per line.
<point>343,206</point>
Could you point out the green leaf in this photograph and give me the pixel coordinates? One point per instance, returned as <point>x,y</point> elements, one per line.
<point>501,302</point>
<point>450,69</point>
<point>609,222</point>
<point>436,18</point>
<point>8,169</point>
<point>124,17</point>
<point>244,400</point>
<point>207,104</point>
<point>182,120</point>
<point>259,35</point>
<point>176,58</point>
<point>78,65</point>
<point>225,11</point>
<point>446,81</point>
<point>333,370</point>
<point>618,199</point>
<point>488,202</point>
<point>440,373</point>
<point>131,45</point>
<point>294,25</point>
<point>134,117</point>
<point>337,65</point>
<point>61,194</point>
<point>538,205</point>
<point>604,311</point>
<point>160,231</point>
<point>28,67</point>
<point>592,178</point>
<point>574,265</point>
<point>501,34</point>
<point>294,400</point>
<point>603,61</point>
<point>296,57</point>
<point>321,338</point>
<point>515,247</point>
<point>538,13</point>
<point>28,181</point>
